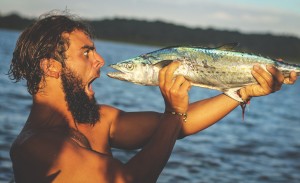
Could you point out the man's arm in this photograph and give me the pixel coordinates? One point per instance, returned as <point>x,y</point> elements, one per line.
<point>201,114</point>
<point>147,164</point>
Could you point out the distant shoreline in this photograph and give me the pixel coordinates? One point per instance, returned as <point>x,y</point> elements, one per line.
<point>158,33</point>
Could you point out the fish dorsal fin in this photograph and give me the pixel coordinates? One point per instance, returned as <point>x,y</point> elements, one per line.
<point>228,46</point>
<point>163,63</point>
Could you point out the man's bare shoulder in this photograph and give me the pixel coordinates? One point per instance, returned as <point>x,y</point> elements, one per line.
<point>109,111</point>
<point>109,114</point>
<point>54,157</point>
<point>38,144</point>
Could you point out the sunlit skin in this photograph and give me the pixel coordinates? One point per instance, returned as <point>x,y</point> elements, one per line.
<point>50,154</point>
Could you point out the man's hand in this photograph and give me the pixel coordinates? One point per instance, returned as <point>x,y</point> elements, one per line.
<point>268,82</point>
<point>174,90</point>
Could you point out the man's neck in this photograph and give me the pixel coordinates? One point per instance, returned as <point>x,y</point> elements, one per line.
<point>49,110</point>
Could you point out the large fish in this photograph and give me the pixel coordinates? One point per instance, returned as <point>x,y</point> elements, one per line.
<point>220,68</point>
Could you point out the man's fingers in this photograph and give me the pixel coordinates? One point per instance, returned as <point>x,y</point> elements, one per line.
<point>166,75</point>
<point>161,77</point>
<point>278,77</point>
<point>178,82</point>
<point>268,81</point>
<point>263,78</point>
<point>292,79</point>
<point>170,71</point>
<point>181,85</point>
<point>186,86</point>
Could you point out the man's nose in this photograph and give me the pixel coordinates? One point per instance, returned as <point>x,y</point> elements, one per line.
<point>99,60</point>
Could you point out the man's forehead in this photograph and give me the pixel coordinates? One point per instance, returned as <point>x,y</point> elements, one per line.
<point>79,38</point>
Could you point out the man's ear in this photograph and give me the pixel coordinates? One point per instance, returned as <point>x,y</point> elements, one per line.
<point>51,67</point>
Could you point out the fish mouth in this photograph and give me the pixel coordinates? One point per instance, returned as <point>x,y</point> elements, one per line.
<point>118,74</point>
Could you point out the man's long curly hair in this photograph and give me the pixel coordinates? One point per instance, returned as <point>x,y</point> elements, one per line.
<point>43,40</point>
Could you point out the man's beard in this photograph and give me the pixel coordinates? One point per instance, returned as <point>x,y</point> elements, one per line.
<point>82,108</point>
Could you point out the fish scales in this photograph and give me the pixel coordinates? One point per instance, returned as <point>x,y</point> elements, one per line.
<point>218,69</point>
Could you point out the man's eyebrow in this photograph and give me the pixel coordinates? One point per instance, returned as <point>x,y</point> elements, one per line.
<point>88,47</point>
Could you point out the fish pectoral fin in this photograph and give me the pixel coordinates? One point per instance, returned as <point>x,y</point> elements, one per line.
<point>163,63</point>
<point>232,92</point>
<point>228,46</point>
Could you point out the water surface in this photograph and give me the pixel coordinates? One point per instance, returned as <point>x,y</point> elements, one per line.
<point>264,148</point>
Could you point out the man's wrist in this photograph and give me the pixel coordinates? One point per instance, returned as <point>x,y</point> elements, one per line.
<point>183,116</point>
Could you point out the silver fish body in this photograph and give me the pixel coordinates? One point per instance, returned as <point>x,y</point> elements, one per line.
<point>218,69</point>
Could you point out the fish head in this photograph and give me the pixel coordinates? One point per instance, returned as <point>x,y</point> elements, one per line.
<point>135,70</point>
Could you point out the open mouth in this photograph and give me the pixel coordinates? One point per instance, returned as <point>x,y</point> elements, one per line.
<point>89,87</point>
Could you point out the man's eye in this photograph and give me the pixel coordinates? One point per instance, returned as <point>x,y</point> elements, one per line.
<point>86,53</point>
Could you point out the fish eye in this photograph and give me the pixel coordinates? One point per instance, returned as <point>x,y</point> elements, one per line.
<point>129,66</point>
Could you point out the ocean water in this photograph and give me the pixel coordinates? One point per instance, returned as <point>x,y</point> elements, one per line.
<point>264,148</point>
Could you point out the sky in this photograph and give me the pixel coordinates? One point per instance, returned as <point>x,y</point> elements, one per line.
<point>279,17</point>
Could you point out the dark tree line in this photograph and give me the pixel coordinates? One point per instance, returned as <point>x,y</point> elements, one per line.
<point>166,34</point>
